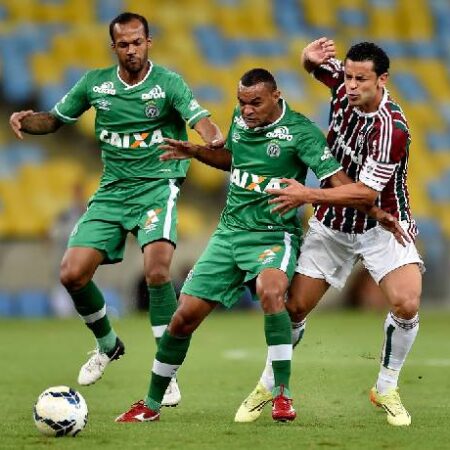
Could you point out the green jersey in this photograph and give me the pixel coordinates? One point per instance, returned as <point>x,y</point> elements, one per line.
<point>132,120</point>
<point>263,155</point>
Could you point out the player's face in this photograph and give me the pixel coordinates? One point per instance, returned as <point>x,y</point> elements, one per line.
<point>363,86</point>
<point>131,45</point>
<point>259,104</point>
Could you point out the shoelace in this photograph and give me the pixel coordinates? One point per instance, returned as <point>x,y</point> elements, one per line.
<point>94,359</point>
<point>395,404</point>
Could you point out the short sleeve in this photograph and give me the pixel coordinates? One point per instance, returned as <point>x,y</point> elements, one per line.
<point>74,103</point>
<point>185,103</point>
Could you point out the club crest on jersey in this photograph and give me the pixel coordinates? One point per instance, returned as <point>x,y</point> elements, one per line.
<point>281,133</point>
<point>105,88</point>
<point>273,150</point>
<point>151,110</point>
<point>154,93</point>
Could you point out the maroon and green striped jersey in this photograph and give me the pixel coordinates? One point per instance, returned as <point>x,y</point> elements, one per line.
<point>372,148</point>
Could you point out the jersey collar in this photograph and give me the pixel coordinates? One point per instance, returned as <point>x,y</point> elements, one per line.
<point>132,86</point>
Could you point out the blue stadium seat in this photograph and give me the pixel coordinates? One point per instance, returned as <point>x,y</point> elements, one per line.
<point>351,17</point>
<point>113,300</point>
<point>7,304</point>
<point>438,141</point>
<point>208,93</point>
<point>289,16</point>
<point>410,87</point>
<point>108,9</point>
<point>290,84</point>
<point>33,303</point>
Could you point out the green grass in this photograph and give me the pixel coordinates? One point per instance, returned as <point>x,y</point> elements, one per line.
<point>333,370</point>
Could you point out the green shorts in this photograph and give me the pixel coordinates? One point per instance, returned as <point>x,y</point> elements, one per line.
<point>233,257</point>
<point>144,207</point>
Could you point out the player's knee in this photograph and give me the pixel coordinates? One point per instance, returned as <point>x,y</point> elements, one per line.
<point>182,324</point>
<point>271,298</point>
<point>157,275</point>
<point>73,277</point>
<point>297,312</point>
<point>406,304</point>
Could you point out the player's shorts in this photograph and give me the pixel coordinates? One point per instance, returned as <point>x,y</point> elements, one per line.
<point>330,255</point>
<point>234,256</point>
<point>146,208</point>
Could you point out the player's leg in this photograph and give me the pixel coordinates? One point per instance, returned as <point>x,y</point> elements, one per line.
<point>77,269</point>
<point>172,350</point>
<point>271,287</point>
<point>163,301</point>
<point>397,269</point>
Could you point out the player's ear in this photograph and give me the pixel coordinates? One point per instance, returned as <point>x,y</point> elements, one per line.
<point>276,95</point>
<point>383,79</point>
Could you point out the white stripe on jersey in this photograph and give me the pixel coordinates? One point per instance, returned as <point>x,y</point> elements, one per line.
<point>170,205</point>
<point>71,119</point>
<point>375,174</point>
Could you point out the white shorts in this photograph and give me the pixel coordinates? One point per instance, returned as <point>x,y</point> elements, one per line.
<point>330,255</point>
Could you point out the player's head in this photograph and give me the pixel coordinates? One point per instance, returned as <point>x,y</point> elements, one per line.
<point>258,97</point>
<point>366,69</point>
<point>130,40</point>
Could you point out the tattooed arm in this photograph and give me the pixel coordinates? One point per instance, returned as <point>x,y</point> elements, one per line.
<point>33,123</point>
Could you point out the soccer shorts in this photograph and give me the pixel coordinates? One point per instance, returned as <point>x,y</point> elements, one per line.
<point>144,207</point>
<point>234,256</point>
<point>330,255</point>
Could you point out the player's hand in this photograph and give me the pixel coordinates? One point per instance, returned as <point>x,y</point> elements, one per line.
<point>174,149</point>
<point>217,143</point>
<point>319,51</point>
<point>15,121</point>
<point>288,198</point>
<point>390,223</point>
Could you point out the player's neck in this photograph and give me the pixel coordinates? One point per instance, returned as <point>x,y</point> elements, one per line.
<point>132,78</point>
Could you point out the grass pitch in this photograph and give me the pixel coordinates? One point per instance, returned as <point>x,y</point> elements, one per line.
<point>333,370</point>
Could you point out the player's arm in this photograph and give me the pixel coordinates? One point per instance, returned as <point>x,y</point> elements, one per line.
<point>33,123</point>
<point>217,157</point>
<point>209,132</point>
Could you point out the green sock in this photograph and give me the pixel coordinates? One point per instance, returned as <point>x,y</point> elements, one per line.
<point>170,355</point>
<point>277,329</point>
<point>90,304</point>
<point>163,303</point>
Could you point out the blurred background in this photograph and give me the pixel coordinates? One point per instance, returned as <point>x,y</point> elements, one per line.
<point>46,45</point>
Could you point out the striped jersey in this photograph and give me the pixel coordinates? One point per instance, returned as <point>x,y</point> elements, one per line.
<point>372,148</point>
<point>131,121</point>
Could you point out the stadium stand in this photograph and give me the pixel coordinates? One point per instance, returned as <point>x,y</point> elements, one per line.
<point>45,46</point>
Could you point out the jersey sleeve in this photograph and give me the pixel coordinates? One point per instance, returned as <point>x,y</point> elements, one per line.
<point>314,152</point>
<point>331,73</point>
<point>74,103</point>
<point>387,146</point>
<point>185,103</point>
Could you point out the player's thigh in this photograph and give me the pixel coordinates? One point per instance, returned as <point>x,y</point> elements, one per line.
<point>216,276</point>
<point>93,230</point>
<point>382,254</point>
<point>326,255</point>
<point>304,294</point>
<point>157,212</point>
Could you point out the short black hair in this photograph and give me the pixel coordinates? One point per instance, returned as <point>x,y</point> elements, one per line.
<point>368,51</point>
<point>128,17</point>
<point>255,76</point>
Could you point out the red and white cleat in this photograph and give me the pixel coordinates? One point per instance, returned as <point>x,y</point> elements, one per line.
<point>139,412</point>
<point>282,410</point>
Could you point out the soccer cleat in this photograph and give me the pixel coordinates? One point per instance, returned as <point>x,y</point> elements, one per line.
<point>253,405</point>
<point>282,410</point>
<point>391,403</point>
<point>172,396</point>
<point>93,369</point>
<point>139,412</point>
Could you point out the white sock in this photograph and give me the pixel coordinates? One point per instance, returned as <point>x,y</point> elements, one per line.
<point>399,336</point>
<point>267,378</point>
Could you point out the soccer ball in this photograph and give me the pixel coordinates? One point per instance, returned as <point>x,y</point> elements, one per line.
<point>60,411</point>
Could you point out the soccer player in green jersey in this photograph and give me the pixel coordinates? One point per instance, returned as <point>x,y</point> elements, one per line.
<point>266,142</point>
<point>138,103</point>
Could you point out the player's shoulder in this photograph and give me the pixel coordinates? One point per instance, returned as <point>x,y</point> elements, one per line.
<point>304,125</point>
<point>106,74</point>
<point>392,116</point>
<point>165,72</point>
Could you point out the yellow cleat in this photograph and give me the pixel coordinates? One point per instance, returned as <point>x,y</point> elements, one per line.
<point>391,403</point>
<point>253,405</point>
